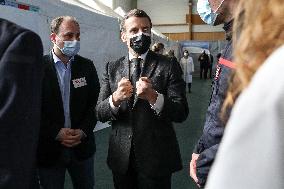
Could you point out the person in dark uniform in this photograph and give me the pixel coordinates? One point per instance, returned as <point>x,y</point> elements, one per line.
<point>142,94</point>
<point>158,48</point>
<point>204,64</point>
<point>211,62</point>
<point>20,92</point>
<point>218,56</point>
<point>69,95</point>
<point>207,146</point>
<point>171,55</point>
<point>173,59</point>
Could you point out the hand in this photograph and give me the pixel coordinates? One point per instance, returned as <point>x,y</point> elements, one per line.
<point>123,92</point>
<point>192,169</point>
<point>70,137</point>
<point>144,90</point>
<point>63,134</point>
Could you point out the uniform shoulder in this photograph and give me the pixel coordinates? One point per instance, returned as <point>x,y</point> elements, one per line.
<point>10,31</point>
<point>11,28</point>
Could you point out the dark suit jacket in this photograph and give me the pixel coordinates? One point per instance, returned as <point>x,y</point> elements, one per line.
<point>82,110</point>
<point>154,139</point>
<point>20,88</point>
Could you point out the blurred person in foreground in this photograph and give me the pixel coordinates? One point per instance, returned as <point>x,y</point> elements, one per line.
<point>251,154</point>
<point>214,12</point>
<point>20,91</point>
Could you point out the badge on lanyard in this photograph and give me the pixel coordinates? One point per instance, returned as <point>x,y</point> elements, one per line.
<point>80,82</point>
<point>218,71</point>
<point>226,63</point>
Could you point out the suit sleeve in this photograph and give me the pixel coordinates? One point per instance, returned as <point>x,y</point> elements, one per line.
<point>20,88</point>
<point>103,110</point>
<point>204,163</point>
<point>175,107</point>
<point>89,121</point>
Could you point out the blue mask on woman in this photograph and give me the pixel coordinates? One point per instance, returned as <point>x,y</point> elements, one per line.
<point>205,12</point>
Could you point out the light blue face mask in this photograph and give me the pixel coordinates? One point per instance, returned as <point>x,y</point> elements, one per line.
<point>70,48</point>
<point>205,12</point>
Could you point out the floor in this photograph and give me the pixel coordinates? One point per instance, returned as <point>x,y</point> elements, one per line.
<point>188,133</point>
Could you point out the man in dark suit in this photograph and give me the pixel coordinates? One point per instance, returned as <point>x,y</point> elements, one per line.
<point>20,88</point>
<point>142,94</point>
<point>69,95</point>
<point>211,62</point>
<point>204,64</point>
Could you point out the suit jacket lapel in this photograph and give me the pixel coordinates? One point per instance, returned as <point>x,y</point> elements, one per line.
<point>149,65</point>
<point>125,72</point>
<point>54,80</point>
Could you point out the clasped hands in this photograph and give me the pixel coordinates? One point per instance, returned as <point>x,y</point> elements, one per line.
<point>144,90</point>
<point>70,137</point>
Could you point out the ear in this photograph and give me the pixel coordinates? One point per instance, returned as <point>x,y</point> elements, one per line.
<point>123,37</point>
<point>52,37</point>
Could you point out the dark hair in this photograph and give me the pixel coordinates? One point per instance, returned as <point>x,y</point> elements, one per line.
<point>219,55</point>
<point>171,52</point>
<point>56,22</point>
<point>134,13</point>
<point>185,51</point>
<point>157,47</point>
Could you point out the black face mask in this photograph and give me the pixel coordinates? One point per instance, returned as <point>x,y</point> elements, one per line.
<point>140,44</point>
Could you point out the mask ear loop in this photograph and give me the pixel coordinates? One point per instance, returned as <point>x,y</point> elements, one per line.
<point>57,45</point>
<point>218,7</point>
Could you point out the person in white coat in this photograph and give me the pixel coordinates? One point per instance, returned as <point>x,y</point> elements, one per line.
<point>187,66</point>
<point>251,154</point>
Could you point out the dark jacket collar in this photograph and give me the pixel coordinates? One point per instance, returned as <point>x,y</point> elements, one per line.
<point>228,27</point>
<point>148,65</point>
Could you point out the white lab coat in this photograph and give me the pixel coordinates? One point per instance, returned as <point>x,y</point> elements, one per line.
<point>187,67</point>
<point>251,154</point>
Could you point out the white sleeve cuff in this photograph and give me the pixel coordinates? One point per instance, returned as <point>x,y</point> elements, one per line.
<point>158,106</point>
<point>114,109</point>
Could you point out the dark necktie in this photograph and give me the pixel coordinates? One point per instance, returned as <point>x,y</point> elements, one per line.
<point>136,70</point>
<point>135,75</point>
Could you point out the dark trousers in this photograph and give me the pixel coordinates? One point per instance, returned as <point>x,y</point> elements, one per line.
<point>136,180</point>
<point>189,87</point>
<point>210,71</point>
<point>81,173</point>
<point>203,72</point>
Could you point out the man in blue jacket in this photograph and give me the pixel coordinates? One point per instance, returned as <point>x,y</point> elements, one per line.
<point>214,12</point>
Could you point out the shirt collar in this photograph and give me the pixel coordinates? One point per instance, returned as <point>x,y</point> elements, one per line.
<point>57,59</point>
<point>142,56</point>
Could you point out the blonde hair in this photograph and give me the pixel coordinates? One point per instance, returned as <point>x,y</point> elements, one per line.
<point>258,31</point>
